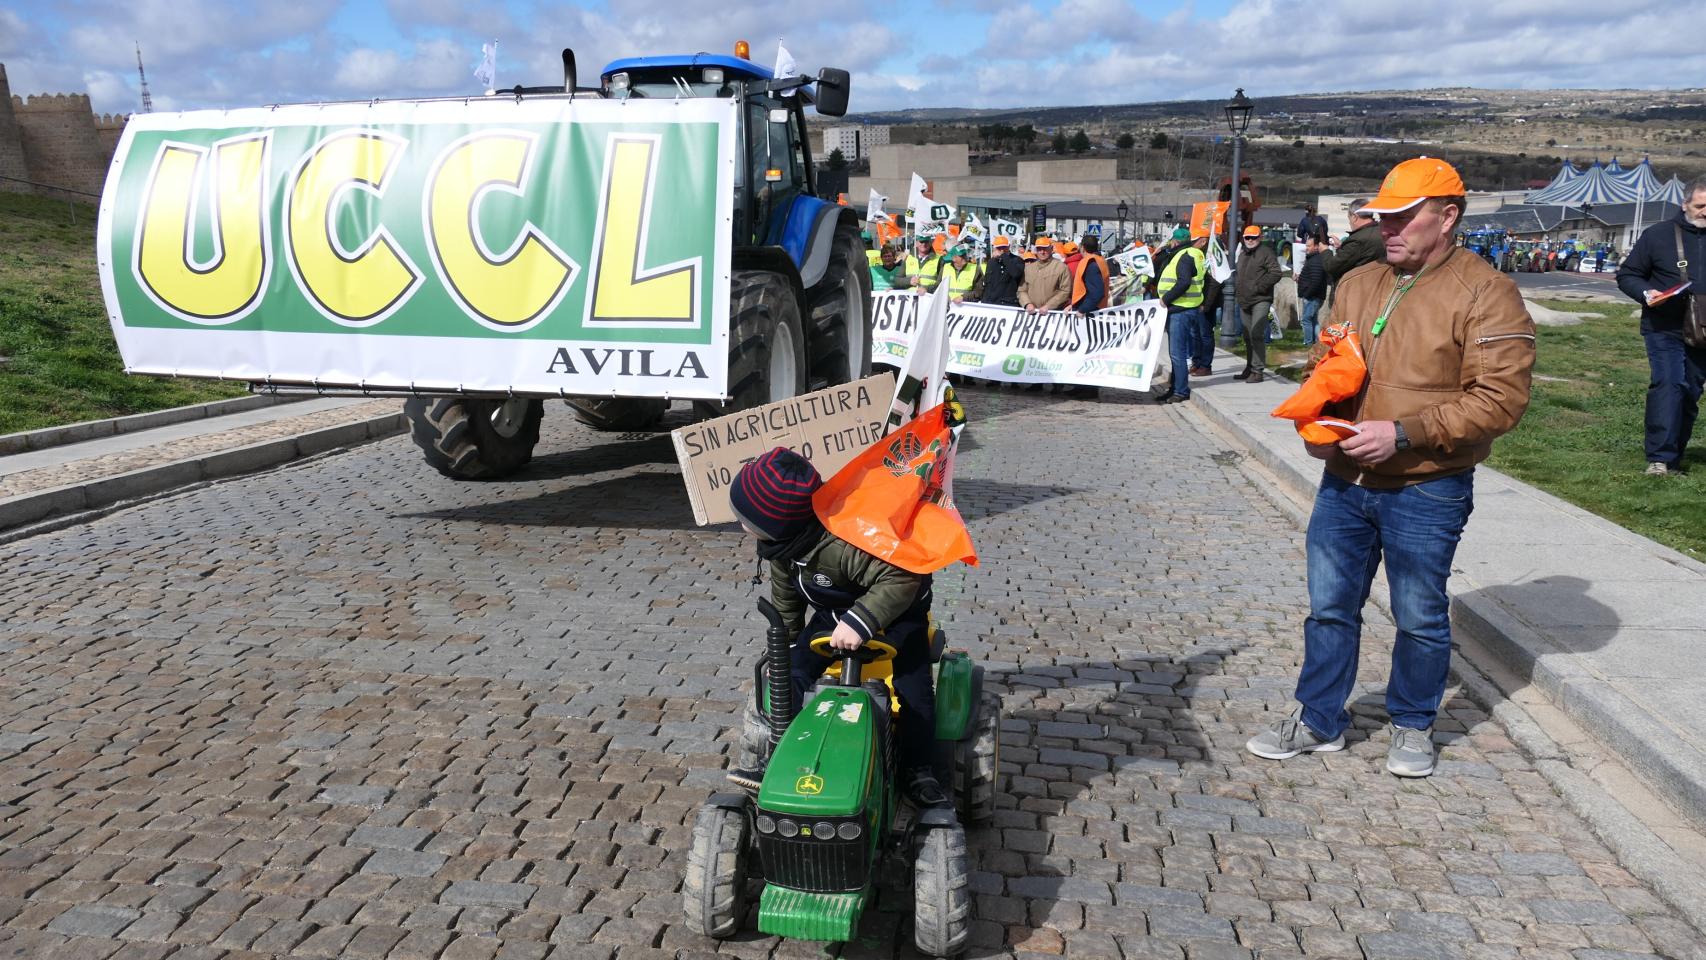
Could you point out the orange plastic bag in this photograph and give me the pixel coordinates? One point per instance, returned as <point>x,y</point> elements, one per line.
<point>893,501</point>
<point>1338,376</point>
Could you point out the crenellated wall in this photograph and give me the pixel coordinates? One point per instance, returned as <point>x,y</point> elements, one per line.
<point>55,139</point>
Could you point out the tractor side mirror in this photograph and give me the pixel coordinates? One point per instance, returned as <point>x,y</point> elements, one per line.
<point>833,86</point>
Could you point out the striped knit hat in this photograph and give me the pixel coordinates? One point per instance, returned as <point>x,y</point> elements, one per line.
<point>774,493</point>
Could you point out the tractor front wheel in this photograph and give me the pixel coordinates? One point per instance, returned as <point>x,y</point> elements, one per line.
<point>977,764</point>
<point>767,356</point>
<point>841,314</point>
<point>467,438</point>
<point>713,893</point>
<point>941,884</point>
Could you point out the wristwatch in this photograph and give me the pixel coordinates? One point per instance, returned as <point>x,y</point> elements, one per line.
<point>1402,437</point>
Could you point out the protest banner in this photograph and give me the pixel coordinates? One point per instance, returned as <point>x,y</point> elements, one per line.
<point>540,247</point>
<point>1208,217</point>
<point>1116,347</point>
<point>828,427</point>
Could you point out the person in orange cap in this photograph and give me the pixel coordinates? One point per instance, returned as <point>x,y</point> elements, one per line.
<point>1258,274</point>
<point>1449,349</point>
<point>1003,275</point>
<point>1047,284</point>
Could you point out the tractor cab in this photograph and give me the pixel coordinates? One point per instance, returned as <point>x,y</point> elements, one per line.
<point>776,165</point>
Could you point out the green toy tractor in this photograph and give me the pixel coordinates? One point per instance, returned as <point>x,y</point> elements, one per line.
<point>828,829</point>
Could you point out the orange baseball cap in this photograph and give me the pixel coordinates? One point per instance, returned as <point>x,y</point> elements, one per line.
<point>1252,231</point>
<point>1069,248</point>
<point>1413,181</point>
<point>1043,242</point>
<point>1001,240</point>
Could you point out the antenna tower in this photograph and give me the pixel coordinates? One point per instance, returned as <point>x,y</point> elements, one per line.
<point>147,101</point>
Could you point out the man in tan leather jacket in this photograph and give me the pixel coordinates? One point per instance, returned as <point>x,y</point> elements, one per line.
<point>1450,349</point>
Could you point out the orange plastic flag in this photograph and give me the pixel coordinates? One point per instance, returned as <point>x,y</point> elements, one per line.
<point>1338,376</point>
<point>891,502</point>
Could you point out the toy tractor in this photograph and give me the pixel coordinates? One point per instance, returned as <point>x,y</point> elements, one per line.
<point>800,288</point>
<point>827,828</point>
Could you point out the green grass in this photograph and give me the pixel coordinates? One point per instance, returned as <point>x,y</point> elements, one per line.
<point>64,365</point>
<point>1581,438</point>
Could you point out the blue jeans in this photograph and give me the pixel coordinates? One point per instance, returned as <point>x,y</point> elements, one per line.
<point>1673,396</point>
<point>1202,350</point>
<point>1181,335</point>
<point>1311,308</point>
<point>1415,529</point>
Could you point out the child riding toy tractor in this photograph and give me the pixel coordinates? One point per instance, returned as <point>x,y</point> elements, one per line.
<point>827,824</point>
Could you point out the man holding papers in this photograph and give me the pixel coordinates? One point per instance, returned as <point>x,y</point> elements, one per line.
<point>1652,276</point>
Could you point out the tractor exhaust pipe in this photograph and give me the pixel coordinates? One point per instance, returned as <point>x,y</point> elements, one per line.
<point>777,644</point>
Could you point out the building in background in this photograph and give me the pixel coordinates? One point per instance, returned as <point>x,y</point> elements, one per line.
<point>54,143</point>
<point>854,141</point>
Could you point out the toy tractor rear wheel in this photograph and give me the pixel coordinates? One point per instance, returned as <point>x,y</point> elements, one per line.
<point>941,885</point>
<point>977,764</point>
<point>468,438</point>
<point>713,893</point>
<point>619,414</point>
<point>841,314</point>
<point>767,361</point>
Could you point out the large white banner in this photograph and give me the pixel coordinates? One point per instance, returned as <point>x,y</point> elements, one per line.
<point>1116,347</point>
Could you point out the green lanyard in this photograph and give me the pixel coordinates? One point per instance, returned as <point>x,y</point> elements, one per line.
<point>1392,303</point>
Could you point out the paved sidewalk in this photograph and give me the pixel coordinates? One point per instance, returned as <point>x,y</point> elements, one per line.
<point>1610,625</point>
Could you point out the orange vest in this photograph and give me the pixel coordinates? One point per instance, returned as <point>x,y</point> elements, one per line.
<point>1078,279</point>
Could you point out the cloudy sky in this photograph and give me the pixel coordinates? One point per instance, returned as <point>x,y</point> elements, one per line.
<point>210,53</point>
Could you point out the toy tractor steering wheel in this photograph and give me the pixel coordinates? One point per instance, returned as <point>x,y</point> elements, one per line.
<point>872,651</point>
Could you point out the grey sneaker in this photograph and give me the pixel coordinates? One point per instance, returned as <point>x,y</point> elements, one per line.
<point>1411,753</point>
<point>1657,469</point>
<point>1287,738</point>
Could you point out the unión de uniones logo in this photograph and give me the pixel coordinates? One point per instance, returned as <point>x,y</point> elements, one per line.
<point>1013,365</point>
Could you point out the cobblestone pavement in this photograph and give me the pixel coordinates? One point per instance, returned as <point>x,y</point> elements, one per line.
<point>113,464</point>
<point>350,709</point>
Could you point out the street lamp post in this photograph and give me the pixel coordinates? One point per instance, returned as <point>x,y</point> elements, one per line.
<point>1119,238</point>
<point>1238,111</point>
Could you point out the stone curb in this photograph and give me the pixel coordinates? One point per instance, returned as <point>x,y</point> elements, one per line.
<point>1674,770</point>
<point>93,429</point>
<point>107,491</point>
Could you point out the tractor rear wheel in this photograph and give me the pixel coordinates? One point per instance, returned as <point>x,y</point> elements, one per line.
<point>977,764</point>
<point>468,438</point>
<point>941,884</point>
<point>713,892</point>
<point>841,314</point>
<point>767,352</point>
<point>619,414</point>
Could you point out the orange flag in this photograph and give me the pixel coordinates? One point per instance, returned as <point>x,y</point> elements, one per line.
<point>891,500</point>
<point>1338,376</point>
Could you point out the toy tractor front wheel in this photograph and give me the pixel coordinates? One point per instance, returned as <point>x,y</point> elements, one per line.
<point>713,893</point>
<point>469,438</point>
<point>941,884</point>
<point>977,764</point>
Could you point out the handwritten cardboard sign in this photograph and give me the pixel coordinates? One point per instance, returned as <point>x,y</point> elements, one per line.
<point>829,427</point>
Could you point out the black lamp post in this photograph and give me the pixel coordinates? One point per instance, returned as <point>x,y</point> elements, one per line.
<point>1119,238</point>
<point>1238,111</point>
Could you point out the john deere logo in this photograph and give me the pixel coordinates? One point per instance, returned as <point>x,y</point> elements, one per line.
<point>1013,365</point>
<point>809,784</point>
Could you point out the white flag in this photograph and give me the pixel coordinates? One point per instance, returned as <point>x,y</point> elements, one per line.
<point>487,71</point>
<point>1218,268</point>
<point>974,229</point>
<point>1005,228</point>
<point>923,377</point>
<point>1137,261</point>
<point>785,66</point>
<point>921,209</point>
<point>874,207</point>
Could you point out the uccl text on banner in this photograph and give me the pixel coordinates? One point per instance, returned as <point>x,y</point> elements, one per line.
<point>488,245</point>
<point>1116,347</point>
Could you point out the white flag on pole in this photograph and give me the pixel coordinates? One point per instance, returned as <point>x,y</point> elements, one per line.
<point>1218,268</point>
<point>1137,261</point>
<point>923,377</point>
<point>1005,228</point>
<point>785,65</point>
<point>487,71</point>
<point>921,209</point>
<point>874,207</point>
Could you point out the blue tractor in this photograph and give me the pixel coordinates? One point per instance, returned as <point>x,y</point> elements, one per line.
<point>800,288</point>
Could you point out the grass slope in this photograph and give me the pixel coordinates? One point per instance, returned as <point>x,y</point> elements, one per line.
<point>64,365</point>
